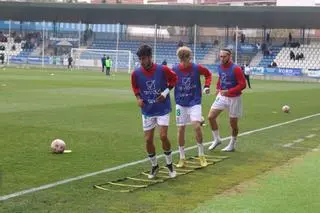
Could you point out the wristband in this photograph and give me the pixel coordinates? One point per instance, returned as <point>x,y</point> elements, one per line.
<point>205,90</point>
<point>165,92</point>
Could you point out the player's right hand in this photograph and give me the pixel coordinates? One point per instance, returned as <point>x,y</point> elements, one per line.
<point>161,98</point>
<point>140,103</point>
<point>223,92</point>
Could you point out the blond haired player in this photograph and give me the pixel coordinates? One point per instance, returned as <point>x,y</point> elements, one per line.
<point>188,92</point>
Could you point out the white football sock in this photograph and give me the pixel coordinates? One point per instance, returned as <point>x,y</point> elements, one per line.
<point>233,140</point>
<point>181,151</point>
<point>215,134</point>
<point>168,156</point>
<point>200,149</point>
<point>153,160</point>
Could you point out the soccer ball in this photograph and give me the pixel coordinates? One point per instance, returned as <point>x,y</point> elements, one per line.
<point>285,108</point>
<point>58,146</point>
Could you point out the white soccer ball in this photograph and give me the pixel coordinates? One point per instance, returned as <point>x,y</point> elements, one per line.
<point>286,108</point>
<point>58,146</point>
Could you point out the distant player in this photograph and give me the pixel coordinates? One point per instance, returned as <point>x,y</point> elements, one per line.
<point>188,100</point>
<point>103,62</point>
<point>247,73</point>
<point>151,84</point>
<point>229,86</point>
<point>70,60</point>
<point>2,58</point>
<point>164,62</point>
<point>108,65</point>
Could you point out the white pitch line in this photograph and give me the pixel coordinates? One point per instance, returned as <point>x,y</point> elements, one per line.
<point>310,136</point>
<point>300,148</point>
<point>51,185</point>
<point>288,145</point>
<point>298,140</point>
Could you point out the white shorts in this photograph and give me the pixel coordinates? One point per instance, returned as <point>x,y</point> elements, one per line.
<point>151,122</point>
<point>232,104</point>
<point>185,115</point>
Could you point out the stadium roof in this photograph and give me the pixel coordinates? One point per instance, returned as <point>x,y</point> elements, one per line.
<point>175,15</point>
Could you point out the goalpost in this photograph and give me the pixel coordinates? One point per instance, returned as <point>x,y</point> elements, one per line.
<point>91,58</point>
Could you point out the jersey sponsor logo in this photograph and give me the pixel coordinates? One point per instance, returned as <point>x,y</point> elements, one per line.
<point>186,83</point>
<point>151,85</point>
<point>151,91</point>
<point>186,87</point>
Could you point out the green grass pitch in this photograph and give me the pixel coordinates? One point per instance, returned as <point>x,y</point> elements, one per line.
<point>100,122</point>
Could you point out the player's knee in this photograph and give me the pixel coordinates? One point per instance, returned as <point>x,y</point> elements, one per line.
<point>148,139</point>
<point>181,129</point>
<point>212,117</point>
<point>163,137</point>
<point>198,130</point>
<point>197,126</point>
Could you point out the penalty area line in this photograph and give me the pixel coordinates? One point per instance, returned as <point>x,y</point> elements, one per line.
<point>51,185</point>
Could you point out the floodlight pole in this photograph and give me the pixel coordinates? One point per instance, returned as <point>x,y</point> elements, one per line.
<point>43,23</point>
<point>236,48</point>
<point>79,35</point>
<point>155,43</point>
<point>130,62</point>
<point>7,49</point>
<point>194,43</point>
<point>117,48</point>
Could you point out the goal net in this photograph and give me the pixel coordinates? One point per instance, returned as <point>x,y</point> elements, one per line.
<point>122,60</point>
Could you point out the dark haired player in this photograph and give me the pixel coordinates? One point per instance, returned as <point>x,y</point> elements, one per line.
<point>151,84</point>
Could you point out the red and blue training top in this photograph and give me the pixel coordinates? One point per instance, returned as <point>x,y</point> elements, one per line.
<point>149,84</point>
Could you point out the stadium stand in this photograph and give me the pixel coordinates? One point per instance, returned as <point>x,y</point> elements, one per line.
<point>268,58</point>
<point>10,47</point>
<point>310,60</point>
<point>256,59</point>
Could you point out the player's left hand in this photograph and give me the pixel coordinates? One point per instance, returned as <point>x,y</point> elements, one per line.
<point>161,98</point>
<point>223,92</point>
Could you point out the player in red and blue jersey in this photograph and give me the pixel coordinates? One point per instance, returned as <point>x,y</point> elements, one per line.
<point>151,84</point>
<point>229,86</point>
<point>188,94</point>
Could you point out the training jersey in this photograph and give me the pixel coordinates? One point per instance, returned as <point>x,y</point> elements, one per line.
<point>231,78</point>
<point>149,85</point>
<point>188,89</point>
<point>247,70</point>
<point>108,63</point>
